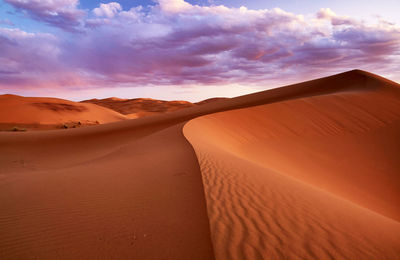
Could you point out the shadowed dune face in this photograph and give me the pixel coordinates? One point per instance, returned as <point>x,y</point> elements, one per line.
<point>304,178</point>
<point>51,113</point>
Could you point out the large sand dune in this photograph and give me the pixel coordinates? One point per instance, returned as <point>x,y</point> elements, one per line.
<point>313,177</point>
<point>288,174</point>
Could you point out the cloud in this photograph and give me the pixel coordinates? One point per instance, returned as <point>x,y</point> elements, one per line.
<point>174,6</point>
<point>108,10</point>
<point>61,13</point>
<point>29,60</point>
<point>176,43</point>
<point>328,14</point>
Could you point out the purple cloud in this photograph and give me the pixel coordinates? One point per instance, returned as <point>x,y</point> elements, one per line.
<point>60,13</point>
<point>29,60</point>
<point>176,43</point>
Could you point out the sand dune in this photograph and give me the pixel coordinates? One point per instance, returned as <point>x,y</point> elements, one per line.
<point>139,107</point>
<point>133,189</point>
<point>50,113</point>
<point>305,178</point>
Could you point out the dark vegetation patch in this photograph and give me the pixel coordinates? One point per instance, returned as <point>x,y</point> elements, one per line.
<point>18,129</point>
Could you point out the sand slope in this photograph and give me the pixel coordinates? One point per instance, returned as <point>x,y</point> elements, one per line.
<point>132,189</point>
<point>305,178</point>
<point>48,113</point>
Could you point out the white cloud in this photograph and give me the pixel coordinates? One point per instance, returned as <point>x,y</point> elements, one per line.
<point>108,10</point>
<point>174,6</point>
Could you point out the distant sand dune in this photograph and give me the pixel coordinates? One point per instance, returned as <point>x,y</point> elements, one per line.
<point>141,107</point>
<point>50,113</point>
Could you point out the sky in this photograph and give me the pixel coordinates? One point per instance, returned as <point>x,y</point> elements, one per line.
<point>189,50</point>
